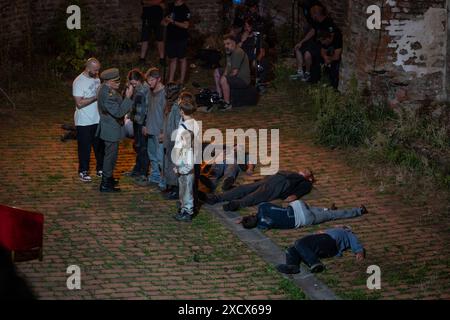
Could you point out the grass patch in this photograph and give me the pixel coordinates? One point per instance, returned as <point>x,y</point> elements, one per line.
<point>286,286</point>
<point>410,149</point>
<point>291,290</point>
<point>54,178</point>
<point>359,294</point>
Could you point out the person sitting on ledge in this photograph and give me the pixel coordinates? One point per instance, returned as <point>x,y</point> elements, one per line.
<point>325,244</point>
<point>286,185</point>
<point>297,214</point>
<point>236,74</point>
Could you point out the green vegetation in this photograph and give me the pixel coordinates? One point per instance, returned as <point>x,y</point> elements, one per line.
<point>287,286</point>
<point>340,120</point>
<point>415,142</point>
<point>55,178</point>
<point>291,290</point>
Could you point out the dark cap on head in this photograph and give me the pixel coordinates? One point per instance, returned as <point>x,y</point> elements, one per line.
<point>187,107</point>
<point>110,74</point>
<point>153,73</point>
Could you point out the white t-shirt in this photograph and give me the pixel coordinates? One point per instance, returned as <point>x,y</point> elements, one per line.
<point>86,87</point>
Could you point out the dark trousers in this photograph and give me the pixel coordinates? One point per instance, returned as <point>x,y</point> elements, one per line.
<point>197,169</point>
<point>86,141</point>
<point>333,73</point>
<point>310,249</point>
<point>142,160</point>
<point>252,194</point>
<point>264,74</point>
<point>223,170</point>
<point>109,163</point>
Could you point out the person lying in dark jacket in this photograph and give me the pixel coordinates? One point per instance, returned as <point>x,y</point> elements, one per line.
<point>285,185</point>
<point>296,215</point>
<point>325,244</point>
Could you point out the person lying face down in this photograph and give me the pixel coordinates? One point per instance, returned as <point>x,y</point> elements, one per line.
<point>325,244</point>
<point>296,215</point>
<point>286,185</point>
<point>220,167</point>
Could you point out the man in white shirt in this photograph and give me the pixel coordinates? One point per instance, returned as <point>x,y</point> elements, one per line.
<point>84,91</point>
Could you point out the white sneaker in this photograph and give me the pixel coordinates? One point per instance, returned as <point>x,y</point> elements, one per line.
<point>306,77</point>
<point>298,76</point>
<point>226,107</point>
<point>84,176</point>
<point>100,173</point>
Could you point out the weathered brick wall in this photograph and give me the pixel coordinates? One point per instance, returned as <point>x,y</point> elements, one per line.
<point>15,23</point>
<point>406,59</point>
<point>23,18</point>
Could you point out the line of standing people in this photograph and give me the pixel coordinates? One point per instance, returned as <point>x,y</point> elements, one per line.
<point>165,132</point>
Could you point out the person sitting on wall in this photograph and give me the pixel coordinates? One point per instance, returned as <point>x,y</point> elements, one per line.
<point>236,74</point>
<point>286,185</point>
<point>331,52</point>
<point>296,215</point>
<point>308,50</point>
<point>325,244</point>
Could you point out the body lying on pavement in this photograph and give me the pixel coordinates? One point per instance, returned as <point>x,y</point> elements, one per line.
<point>324,244</point>
<point>296,215</point>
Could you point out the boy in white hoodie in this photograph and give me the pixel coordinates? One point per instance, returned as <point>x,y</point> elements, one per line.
<point>183,156</point>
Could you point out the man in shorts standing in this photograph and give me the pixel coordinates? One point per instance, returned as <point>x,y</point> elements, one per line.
<point>152,16</point>
<point>177,21</point>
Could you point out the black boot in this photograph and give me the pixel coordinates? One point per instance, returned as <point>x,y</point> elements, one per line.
<point>228,184</point>
<point>107,186</point>
<point>113,181</point>
<point>172,195</point>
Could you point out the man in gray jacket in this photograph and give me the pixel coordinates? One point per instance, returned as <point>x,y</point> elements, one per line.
<point>154,126</point>
<point>112,110</point>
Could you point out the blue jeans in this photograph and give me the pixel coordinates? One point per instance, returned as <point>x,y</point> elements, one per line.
<point>155,154</point>
<point>317,215</point>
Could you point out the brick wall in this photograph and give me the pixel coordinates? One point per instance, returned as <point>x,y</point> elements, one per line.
<point>24,18</point>
<point>407,59</point>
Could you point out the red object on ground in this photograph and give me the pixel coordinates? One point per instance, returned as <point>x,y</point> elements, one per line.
<point>21,230</point>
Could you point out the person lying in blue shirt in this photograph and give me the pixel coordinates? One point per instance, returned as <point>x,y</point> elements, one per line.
<point>296,215</point>
<point>326,244</point>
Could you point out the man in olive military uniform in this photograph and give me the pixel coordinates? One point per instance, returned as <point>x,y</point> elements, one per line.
<point>112,109</point>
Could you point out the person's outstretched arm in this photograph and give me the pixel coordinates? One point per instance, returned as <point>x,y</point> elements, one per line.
<point>355,245</point>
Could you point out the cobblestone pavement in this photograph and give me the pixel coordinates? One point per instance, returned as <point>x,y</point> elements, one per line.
<point>406,237</point>
<point>128,245</point>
